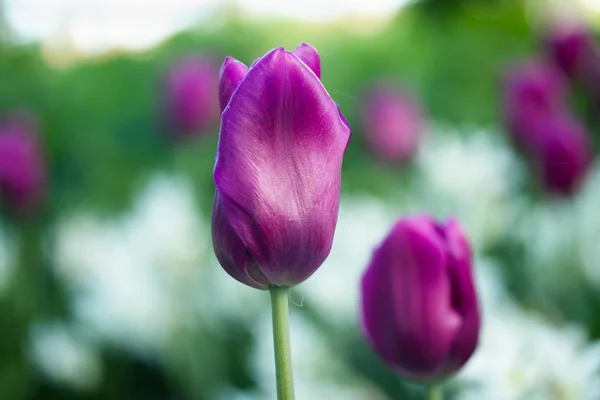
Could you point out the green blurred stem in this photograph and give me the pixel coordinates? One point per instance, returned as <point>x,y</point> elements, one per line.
<point>435,392</point>
<point>281,341</point>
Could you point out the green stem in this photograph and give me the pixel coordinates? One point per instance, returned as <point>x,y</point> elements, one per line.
<point>434,392</point>
<point>281,341</point>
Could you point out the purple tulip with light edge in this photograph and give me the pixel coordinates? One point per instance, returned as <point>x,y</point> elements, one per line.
<point>22,169</point>
<point>277,179</point>
<point>420,311</point>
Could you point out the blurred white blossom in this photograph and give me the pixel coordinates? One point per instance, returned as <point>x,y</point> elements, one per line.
<point>127,274</point>
<point>65,355</point>
<point>469,176</point>
<point>522,356</point>
<point>314,365</point>
<point>7,254</point>
<point>362,224</point>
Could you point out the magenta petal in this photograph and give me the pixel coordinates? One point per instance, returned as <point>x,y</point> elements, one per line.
<point>568,46</point>
<point>562,154</point>
<point>278,166</point>
<point>464,297</point>
<point>191,96</point>
<point>230,250</point>
<point>310,57</point>
<point>419,307</point>
<point>425,318</point>
<point>22,166</point>
<point>231,74</point>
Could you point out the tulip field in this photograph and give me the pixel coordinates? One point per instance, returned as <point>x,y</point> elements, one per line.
<point>400,205</point>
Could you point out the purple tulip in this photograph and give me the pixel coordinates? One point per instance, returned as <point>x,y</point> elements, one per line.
<point>569,46</point>
<point>22,172</point>
<point>191,96</point>
<point>533,90</point>
<point>562,154</point>
<point>419,306</point>
<point>393,124</point>
<point>278,169</point>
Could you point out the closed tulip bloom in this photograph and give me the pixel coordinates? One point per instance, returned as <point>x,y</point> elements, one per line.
<point>393,124</point>
<point>22,170</point>
<point>278,167</point>
<point>533,89</point>
<point>419,306</point>
<point>568,46</point>
<point>562,155</point>
<point>191,96</point>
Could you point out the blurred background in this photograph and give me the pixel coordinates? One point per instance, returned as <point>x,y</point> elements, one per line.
<point>483,110</point>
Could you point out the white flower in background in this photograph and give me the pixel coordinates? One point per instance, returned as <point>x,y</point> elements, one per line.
<point>128,275</point>
<point>587,233</point>
<point>65,356</point>
<point>167,227</point>
<point>318,371</point>
<point>362,223</point>
<point>7,254</point>
<point>521,356</point>
<point>562,236</point>
<point>219,296</point>
<point>468,177</point>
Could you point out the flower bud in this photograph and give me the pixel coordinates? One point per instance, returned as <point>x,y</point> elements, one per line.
<point>419,306</point>
<point>22,170</point>
<point>561,154</point>
<point>191,96</point>
<point>393,124</point>
<point>533,89</point>
<point>278,169</point>
<point>568,46</point>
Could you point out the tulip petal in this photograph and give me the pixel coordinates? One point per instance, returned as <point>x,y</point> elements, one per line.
<point>231,74</point>
<point>278,166</point>
<point>310,57</point>
<point>230,250</point>
<point>464,297</point>
<point>376,294</point>
<point>413,261</point>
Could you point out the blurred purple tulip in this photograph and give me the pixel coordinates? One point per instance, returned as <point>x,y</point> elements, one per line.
<point>22,169</point>
<point>191,99</point>
<point>533,89</point>
<point>568,46</point>
<point>562,154</point>
<point>393,123</point>
<point>278,169</point>
<point>419,306</point>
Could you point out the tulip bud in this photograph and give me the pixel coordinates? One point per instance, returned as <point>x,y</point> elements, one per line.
<point>561,155</point>
<point>533,90</point>
<point>278,169</point>
<point>419,306</point>
<point>568,46</point>
<point>191,96</point>
<point>22,171</point>
<point>393,124</point>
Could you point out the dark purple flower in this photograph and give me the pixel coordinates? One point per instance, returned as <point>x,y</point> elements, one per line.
<point>278,167</point>
<point>562,154</point>
<point>393,123</point>
<point>22,169</point>
<point>568,46</point>
<point>419,306</point>
<point>191,96</point>
<point>533,89</point>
